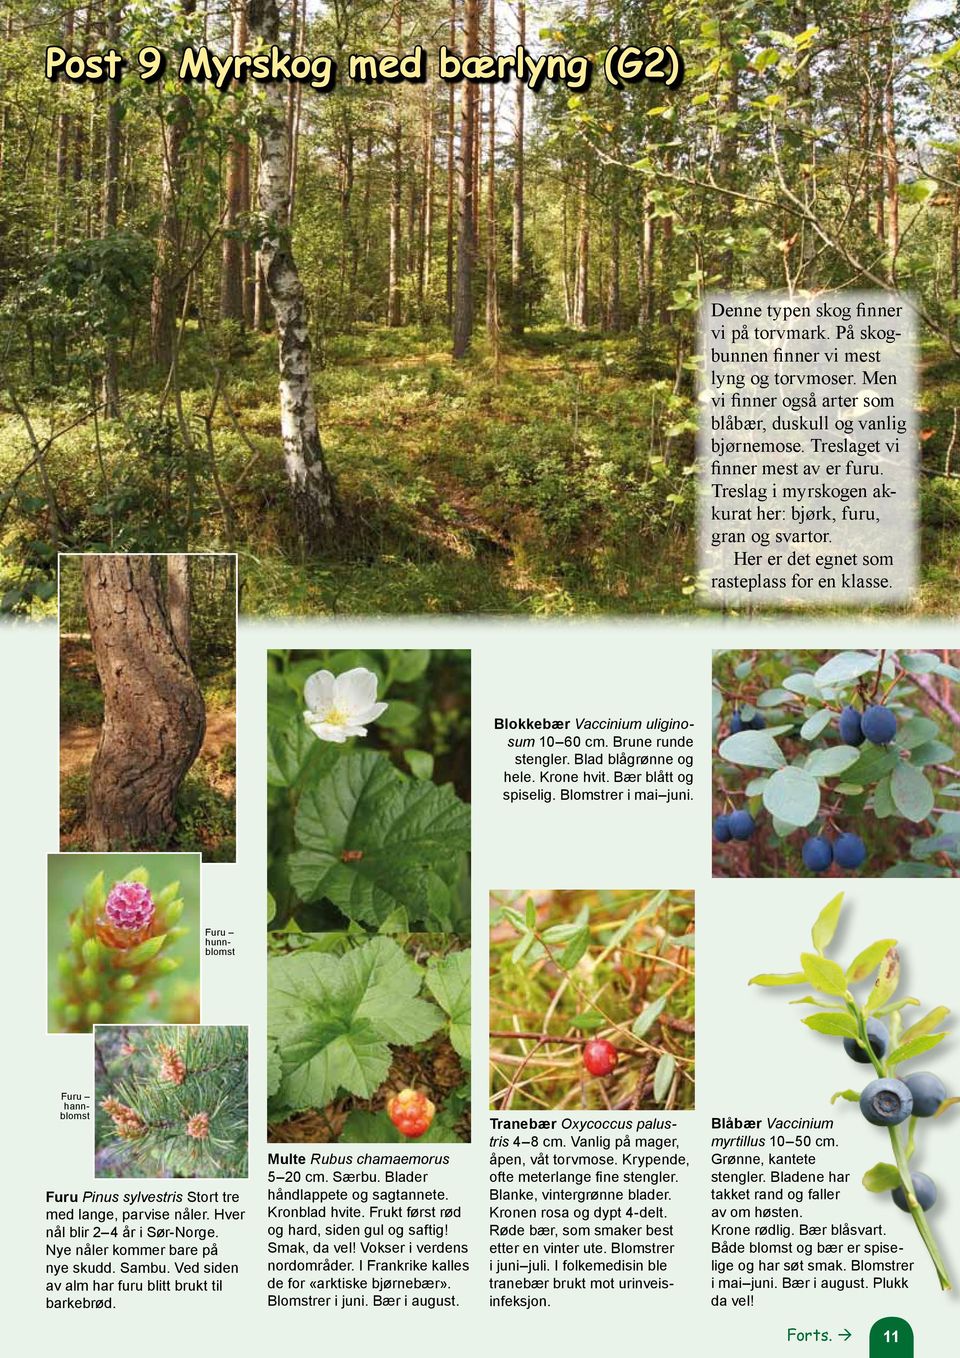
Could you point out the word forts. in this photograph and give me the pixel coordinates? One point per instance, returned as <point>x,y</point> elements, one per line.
<point>621,65</point>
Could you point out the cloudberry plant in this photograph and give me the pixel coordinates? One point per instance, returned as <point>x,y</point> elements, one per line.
<point>411,1112</point>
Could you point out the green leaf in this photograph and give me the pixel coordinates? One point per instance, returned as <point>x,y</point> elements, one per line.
<point>663,1077</point>
<point>881,1178</point>
<point>842,668</point>
<point>575,949</point>
<point>334,1018</point>
<point>826,924</point>
<point>823,975</point>
<point>448,980</point>
<point>274,1070</point>
<point>916,731</point>
<point>530,914</point>
<point>873,763</point>
<point>883,806</point>
<point>523,947</point>
<point>420,763</point>
<point>834,1025</point>
<point>588,1022</point>
<point>399,716</point>
<point>926,1024</point>
<point>908,1050</point>
<point>802,684</point>
<point>412,836</point>
<point>405,666</point>
<point>828,763</point>
<point>768,978</point>
<point>755,749</point>
<point>851,1095</point>
<point>291,746</point>
<point>867,961</point>
<point>931,752</point>
<point>911,792</point>
<point>888,978</point>
<point>793,796</point>
<point>645,1021</point>
<point>812,727</point>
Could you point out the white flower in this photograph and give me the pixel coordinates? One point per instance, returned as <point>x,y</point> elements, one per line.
<point>337,708</point>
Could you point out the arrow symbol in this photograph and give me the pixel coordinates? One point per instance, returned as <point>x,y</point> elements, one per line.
<point>845,1334</point>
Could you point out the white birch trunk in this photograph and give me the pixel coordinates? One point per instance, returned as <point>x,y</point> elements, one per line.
<point>311,484</point>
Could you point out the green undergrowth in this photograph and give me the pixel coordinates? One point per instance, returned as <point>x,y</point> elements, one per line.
<point>555,480</point>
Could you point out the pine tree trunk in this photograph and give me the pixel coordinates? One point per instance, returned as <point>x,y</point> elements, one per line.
<point>63,142</point>
<point>311,484</point>
<point>581,306</point>
<point>516,247</point>
<point>451,168</point>
<point>231,256</point>
<point>153,718</point>
<point>493,320</point>
<point>110,393</point>
<point>466,238</point>
<point>164,299</point>
<point>180,600</point>
<point>396,195</point>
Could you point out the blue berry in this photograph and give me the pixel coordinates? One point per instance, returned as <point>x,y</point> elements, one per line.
<point>849,851</point>
<point>817,853</point>
<point>742,825</point>
<point>924,1190</point>
<point>721,829</point>
<point>736,723</point>
<point>758,723</point>
<point>879,1040</point>
<point>848,723</point>
<point>886,1103</point>
<point>928,1093</point>
<point>879,725</point>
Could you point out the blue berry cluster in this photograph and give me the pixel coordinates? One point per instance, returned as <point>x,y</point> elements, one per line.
<point>888,1101</point>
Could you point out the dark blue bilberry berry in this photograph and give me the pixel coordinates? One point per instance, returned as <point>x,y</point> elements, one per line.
<point>742,825</point>
<point>736,723</point>
<point>848,723</point>
<point>924,1190</point>
<point>879,725</point>
<point>877,1036</point>
<point>849,851</point>
<point>758,723</point>
<point>721,829</point>
<point>817,853</point>
<point>886,1102</point>
<point>928,1093</point>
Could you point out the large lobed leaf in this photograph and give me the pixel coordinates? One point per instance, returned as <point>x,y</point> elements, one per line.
<point>411,836</point>
<point>334,1018</point>
<point>448,980</point>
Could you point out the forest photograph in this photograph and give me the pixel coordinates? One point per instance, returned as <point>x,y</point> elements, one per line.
<point>148,703</point>
<point>429,347</point>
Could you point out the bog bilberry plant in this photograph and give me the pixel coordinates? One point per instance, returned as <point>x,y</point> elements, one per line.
<point>120,942</point>
<point>891,1100</point>
<point>848,757</point>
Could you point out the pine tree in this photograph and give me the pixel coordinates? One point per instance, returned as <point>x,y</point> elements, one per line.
<point>171,1102</point>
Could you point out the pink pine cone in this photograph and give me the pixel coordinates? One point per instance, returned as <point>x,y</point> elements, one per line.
<point>129,906</point>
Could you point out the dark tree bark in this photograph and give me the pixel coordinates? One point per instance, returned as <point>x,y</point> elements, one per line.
<point>231,257</point>
<point>493,316</point>
<point>153,717</point>
<point>466,205</point>
<point>516,246</point>
<point>396,194</point>
<point>110,394</point>
<point>165,298</point>
<point>451,166</point>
